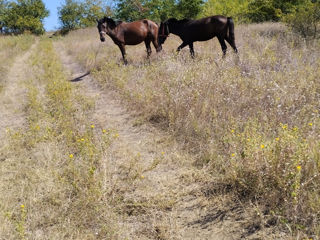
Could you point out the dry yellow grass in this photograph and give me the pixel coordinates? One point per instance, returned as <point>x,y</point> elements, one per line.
<point>250,124</point>
<point>10,47</point>
<point>251,121</point>
<point>51,174</point>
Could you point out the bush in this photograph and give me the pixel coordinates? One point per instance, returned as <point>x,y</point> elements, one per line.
<point>305,20</point>
<point>261,11</point>
<point>25,15</point>
<point>235,9</point>
<point>76,14</point>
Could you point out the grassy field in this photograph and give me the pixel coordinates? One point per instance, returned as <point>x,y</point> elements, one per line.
<point>251,121</point>
<point>51,167</point>
<point>238,135</point>
<point>11,47</point>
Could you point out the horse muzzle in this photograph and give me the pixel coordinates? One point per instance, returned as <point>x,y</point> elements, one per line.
<point>102,38</point>
<point>162,39</point>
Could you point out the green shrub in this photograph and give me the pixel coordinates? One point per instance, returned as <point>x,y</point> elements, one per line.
<point>24,16</point>
<point>305,20</point>
<point>261,11</point>
<point>235,9</point>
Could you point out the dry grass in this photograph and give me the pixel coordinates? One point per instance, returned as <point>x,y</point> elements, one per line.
<point>252,121</point>
<point>10,47</point>
<point>51,170</point>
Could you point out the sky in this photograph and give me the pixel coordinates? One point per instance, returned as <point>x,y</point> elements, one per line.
<point>52,23</point>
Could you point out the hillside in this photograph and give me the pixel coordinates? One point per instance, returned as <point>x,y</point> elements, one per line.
<point>166,148</point>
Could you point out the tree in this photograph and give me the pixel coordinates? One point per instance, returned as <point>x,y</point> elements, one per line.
<point>287,6</point>
<point>234,9</point>
<point>92,9</point>
<point>189,8</point>
<point>3,8</point>
<point>25,15</point>
<point>78,14</point>
<point>305,20</point>
<point>272,10</point>
<point>157,10</point>
<point>263,10</point>
<point>130,10</point>
<point>70,15</point>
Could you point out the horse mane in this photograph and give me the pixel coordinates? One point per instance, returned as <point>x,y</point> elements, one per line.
<point>184,20</point>
<point>174,20</point>
<point>111,23</point>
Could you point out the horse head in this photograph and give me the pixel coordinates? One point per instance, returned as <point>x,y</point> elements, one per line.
<point>105,26</point>
<point>163,32</point>
<point>102,28</point>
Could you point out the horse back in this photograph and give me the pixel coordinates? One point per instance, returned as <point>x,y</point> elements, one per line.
<point>137,31</point>
<point>205,28</point>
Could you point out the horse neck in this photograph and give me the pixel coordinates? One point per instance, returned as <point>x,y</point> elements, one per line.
<point>113,32</point>
<point>175,29</point>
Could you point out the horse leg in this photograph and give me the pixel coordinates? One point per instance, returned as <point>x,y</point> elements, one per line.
<point>147,42</point>
<point>191,49</point>
<point>123,52</point>
<point>223,46</point>
<point>182,46</point>
<point>232,44</point>
<point>156,45</point>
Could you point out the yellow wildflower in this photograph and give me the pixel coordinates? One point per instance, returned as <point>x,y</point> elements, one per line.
<point>232,130</point>
<point>310,124</point>
<point>92,126</point>
<point>116,135</point>
<point>262,146</point>
<point>82,139</point>
<point>298,167</point>
<point>277,139</point>
<point>162,153</point>
<point>104,131</point>
<point>71,156</point>
<point>142,177</point>
<point>295,129</point>
<point>233,154</point>
<point>22,206</point>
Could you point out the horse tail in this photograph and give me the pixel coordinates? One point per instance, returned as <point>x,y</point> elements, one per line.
<point>230,25</point>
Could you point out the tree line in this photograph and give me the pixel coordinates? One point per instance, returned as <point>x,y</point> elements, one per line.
<point>22,15</point>
<point>28,15</point>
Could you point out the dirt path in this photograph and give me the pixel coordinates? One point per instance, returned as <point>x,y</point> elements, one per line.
<point>13,95</point>
<point>160,196</point>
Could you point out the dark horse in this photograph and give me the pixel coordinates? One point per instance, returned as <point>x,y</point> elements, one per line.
<point>199,30</point>
<point>133,33</point>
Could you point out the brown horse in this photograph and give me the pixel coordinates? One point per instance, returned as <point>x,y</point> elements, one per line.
<point>199,30</point>
<point>133,33</point>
